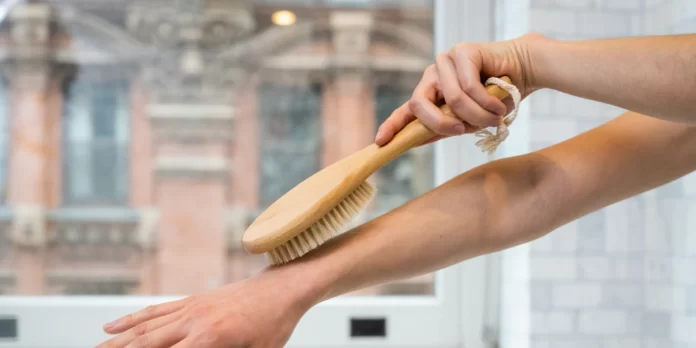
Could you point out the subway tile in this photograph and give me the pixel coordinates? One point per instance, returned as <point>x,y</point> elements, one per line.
<point>626,5</point>
<point>552,268</point>
<point>552,130</point>
<point>592,233</point>
<point>600,24</point>
<point>628,342</point>
<point>552,20</point>
<point>602,322</point>
<point>542,102</point>
<point>625,296</point>
<point>658,268</point>
<point>684,270</point>
<point>578,295</point>
<point>628,268</point>
<point>665,298</point>
<point>574,5</point>
<point>595,268</point>
<point>624,226</point>
<point>656,324</point>
<point>684,328</point>
<point>690,299</point>
<point>555,322</point>
<point>540,295</point>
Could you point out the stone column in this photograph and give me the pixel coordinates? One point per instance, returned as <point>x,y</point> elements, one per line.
<point>349,108</point>
<point>30,73</point>
<point>191,113</point>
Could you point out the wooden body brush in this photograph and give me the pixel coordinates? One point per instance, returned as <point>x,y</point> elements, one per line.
<point>322,206</point>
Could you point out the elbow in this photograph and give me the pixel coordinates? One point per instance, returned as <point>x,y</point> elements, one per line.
<point>526,193</point>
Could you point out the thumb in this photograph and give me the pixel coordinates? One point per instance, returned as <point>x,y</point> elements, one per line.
<point>395,123</point>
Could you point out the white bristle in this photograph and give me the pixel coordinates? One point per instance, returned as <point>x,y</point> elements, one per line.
<point>329,226</point>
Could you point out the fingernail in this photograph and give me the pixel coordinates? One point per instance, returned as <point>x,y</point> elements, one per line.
<point>460,129</point>
<point>378,136</point>
<point>110,325</point>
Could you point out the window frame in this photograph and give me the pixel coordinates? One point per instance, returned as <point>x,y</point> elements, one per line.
<point>122,89</point>
<point>454,317</point>
<point>314,91</point>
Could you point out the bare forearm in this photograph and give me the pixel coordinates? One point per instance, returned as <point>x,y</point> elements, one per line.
<point>651,75</point>
<point>502,204</point>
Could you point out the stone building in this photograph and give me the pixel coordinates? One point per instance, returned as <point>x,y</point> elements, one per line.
<point>138,139</point>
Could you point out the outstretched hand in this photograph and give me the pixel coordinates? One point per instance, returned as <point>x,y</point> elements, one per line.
<point>258,312</point>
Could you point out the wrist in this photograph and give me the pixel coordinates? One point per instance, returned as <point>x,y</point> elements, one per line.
<point>533,50</point>
<point>303,282</point>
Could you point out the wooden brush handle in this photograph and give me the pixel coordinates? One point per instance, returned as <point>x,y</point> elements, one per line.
<point>415,133</point>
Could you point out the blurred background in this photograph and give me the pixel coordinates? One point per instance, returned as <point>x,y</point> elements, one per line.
<point>139,139</point>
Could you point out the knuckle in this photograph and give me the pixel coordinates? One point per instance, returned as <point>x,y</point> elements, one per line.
<point>206,332</point>
<point>415,105</point>
<point>151,311</point>
<point>140,329</point>
<point>199,311</point>
<point>429,71</point>
<point>459,50</point>
<point>468,86</point>
<point>457,101</point>
<point>141,342</point>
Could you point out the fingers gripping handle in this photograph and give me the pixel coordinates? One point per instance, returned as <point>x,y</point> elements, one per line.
<point>415,133</point>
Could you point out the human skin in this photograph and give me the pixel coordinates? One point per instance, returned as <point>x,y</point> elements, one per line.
<point>652,75</point>
<point>487,209</point>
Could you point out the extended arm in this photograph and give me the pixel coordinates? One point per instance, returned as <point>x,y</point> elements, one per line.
<point>490,208</point>
<point>504,203</point>
<point>653,75</point>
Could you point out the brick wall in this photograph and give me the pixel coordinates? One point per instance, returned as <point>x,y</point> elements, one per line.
<point>624,276</point>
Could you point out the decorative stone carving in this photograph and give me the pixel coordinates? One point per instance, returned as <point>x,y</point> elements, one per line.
<point>32,27</point>
<point>214,25</point>
<point>351,39</point>
<point>194,76</point>
<point>351,31</point>
<point>188,67</point>
<point>29,226</point>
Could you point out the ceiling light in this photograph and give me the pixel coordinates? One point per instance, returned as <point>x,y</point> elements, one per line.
<point>283,18</point>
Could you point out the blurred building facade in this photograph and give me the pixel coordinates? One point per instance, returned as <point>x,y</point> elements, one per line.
<point>138,139</point>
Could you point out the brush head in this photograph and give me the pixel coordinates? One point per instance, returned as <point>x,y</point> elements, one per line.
<point>335,222</point>
<point>313,211</point>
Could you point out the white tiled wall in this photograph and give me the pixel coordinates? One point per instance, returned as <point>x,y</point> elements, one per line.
<point>624,276</point>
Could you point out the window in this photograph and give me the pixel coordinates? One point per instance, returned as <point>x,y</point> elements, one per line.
<point>95,143</point>
<point>290,137</point>
<point>78,287</point>
<point>409,175</point>
<point>202,165</point>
